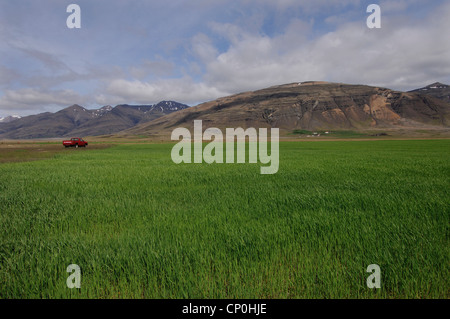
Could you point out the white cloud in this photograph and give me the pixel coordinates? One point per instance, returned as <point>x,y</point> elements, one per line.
<point>152,68</point>
<point>402,54</point>
<point>308,5</point>
<point>389,6</point>
<point>183,90</point>
<point>28,99</point>
<point>203,48</point>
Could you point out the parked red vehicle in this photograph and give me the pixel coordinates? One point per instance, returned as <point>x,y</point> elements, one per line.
<point>75,142</point>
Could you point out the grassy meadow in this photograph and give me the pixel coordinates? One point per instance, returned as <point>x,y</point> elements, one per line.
<point>140,226</point>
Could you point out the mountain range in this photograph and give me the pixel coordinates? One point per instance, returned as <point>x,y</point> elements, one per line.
<point>76,120</point>
<point>296,106</point>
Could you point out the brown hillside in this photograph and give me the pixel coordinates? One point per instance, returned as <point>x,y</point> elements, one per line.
<point>309,106</point>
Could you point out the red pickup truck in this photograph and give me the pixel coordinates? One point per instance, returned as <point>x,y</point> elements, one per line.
<point>75,142</point>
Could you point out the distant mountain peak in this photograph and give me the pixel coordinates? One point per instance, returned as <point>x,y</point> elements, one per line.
<point>435,85</point>
<point>76,106</point>
<point>9,118</point>
<point>170,106</point>
<point>101,111</point>
<point>438,85</point>
<point>73,108</point>
<point>437,89</point>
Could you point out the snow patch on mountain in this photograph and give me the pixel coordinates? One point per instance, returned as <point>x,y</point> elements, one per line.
<point>9,118</point>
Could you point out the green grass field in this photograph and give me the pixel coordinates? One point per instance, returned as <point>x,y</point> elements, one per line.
<point>140,226</point>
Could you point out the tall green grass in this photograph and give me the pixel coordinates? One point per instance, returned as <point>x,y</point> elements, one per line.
<point>140,226</point>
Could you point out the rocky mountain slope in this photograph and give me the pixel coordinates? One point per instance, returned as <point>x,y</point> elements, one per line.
<point>309,106</point>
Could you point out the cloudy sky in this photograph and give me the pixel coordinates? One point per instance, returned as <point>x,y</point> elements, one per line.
<point>192,51</point>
